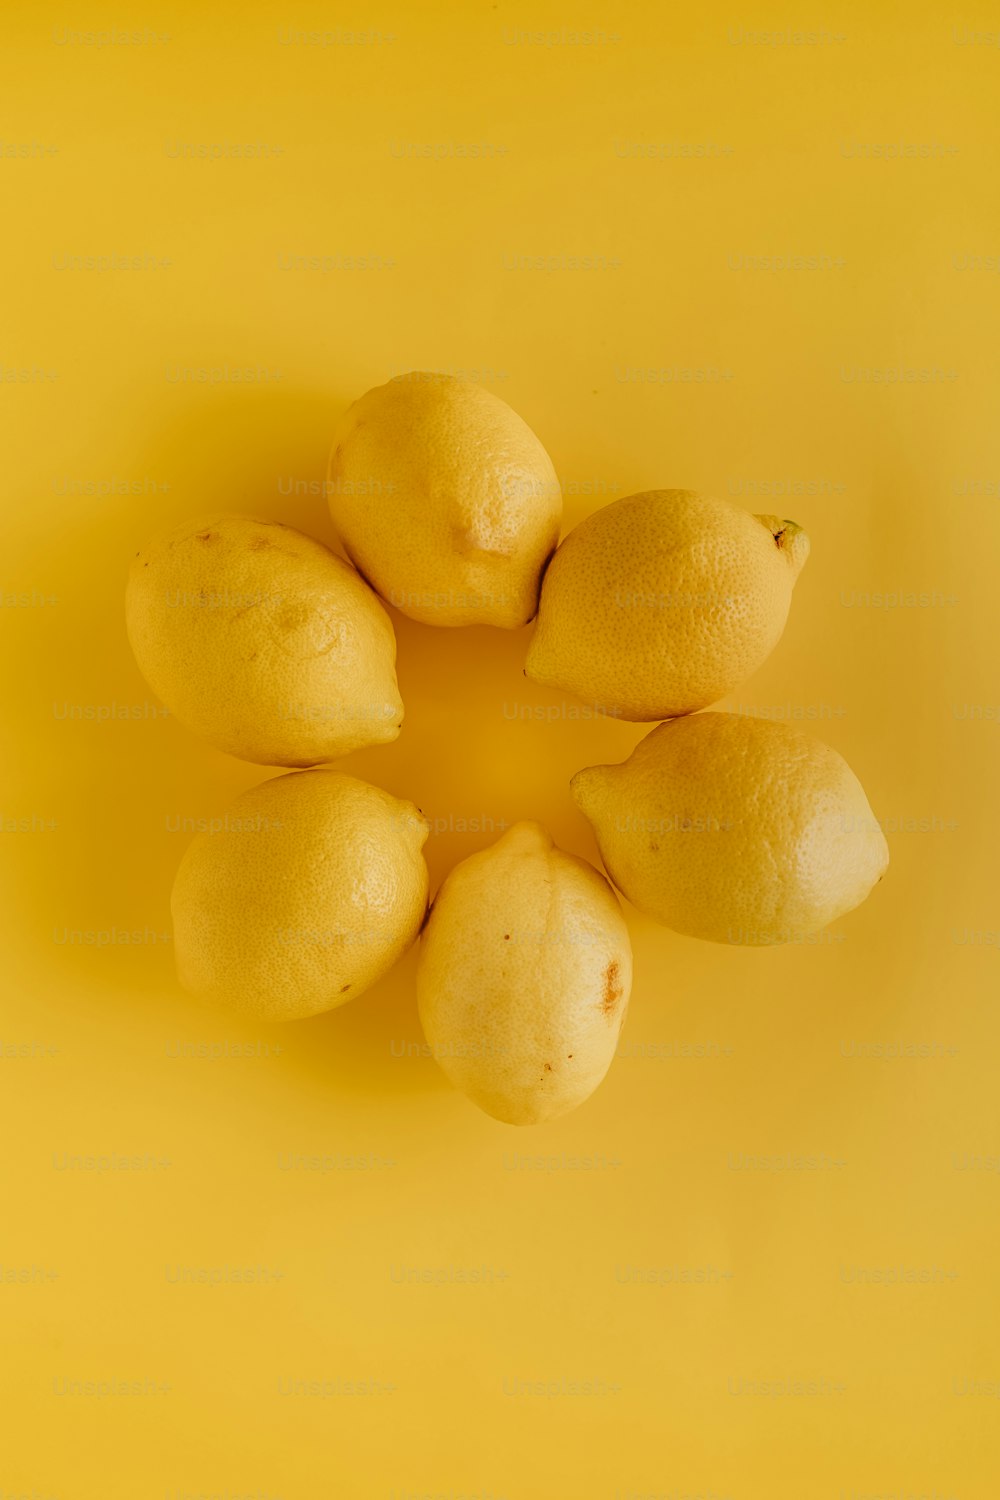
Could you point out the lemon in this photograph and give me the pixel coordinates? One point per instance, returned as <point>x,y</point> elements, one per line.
<point>446,501</point>
<point>524,977</point>
<point>664,602</point>
<point>262,641</point>
<point>736,829</point>
<point>312,889</point>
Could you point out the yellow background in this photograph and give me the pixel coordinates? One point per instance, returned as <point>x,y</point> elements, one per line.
<point>642,1292</point>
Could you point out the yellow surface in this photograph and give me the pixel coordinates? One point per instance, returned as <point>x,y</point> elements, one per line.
<point>790,1174</point>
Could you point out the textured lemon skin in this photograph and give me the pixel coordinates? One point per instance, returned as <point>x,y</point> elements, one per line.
<point>263,642</point>
<point>524,977</point>
<point>446,501</point>
<point>663,602</point>
<point>316,889</point>
<point>735,829</point>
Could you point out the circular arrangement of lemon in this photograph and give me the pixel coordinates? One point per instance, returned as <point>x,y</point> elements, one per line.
<point>720,826</point>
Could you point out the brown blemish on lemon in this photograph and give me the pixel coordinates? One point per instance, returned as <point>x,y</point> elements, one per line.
<point>613,989</point>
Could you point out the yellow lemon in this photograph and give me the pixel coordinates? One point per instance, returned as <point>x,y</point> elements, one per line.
<point>446,501</point>
<point>664,602</point>
<point>735,829</point>
<point>524,977</point>
<point>262,641</point>
<point>311,889</point>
